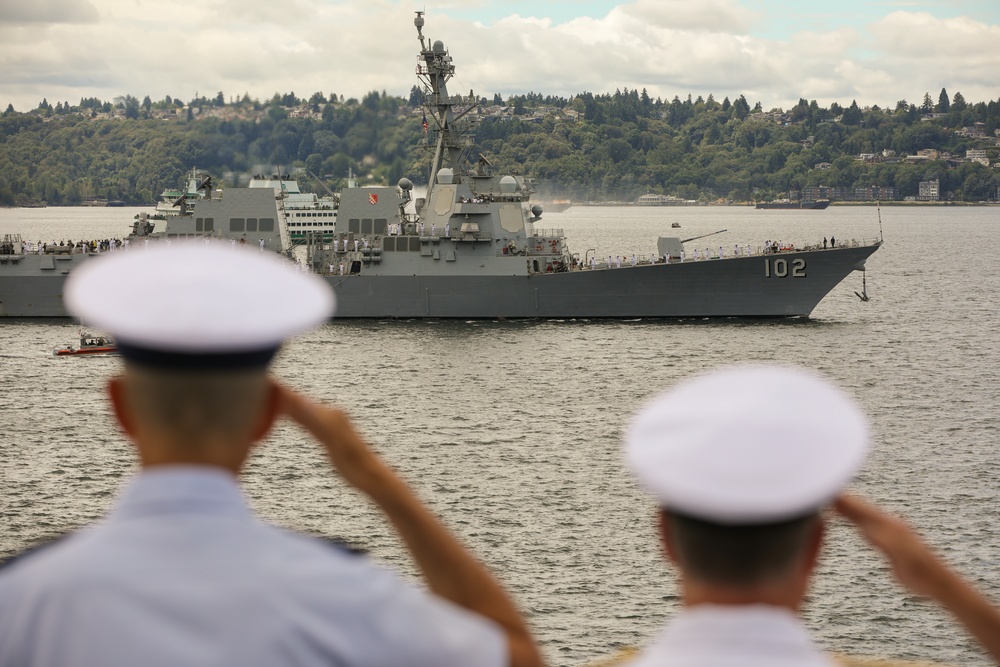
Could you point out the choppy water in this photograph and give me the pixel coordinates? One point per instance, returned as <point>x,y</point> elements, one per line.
<point>511,430</point>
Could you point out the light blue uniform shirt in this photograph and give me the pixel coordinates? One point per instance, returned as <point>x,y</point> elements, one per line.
<point>181,573</point>
<point>756,635</point>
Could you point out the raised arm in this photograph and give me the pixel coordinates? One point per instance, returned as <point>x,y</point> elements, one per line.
<point>449,569</point>
<point>920,570</point>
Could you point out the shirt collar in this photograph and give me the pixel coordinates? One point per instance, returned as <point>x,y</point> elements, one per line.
<point>741,625</point>
<point>173,489</point>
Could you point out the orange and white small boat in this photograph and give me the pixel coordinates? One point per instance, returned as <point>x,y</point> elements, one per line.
<point>88,345</point>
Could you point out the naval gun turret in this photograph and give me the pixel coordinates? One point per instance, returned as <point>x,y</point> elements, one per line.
<point>672,246</point>
<point>142,226</point>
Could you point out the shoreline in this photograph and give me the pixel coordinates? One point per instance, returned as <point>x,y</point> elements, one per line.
<point>752,205</point>
<point>616,204</point>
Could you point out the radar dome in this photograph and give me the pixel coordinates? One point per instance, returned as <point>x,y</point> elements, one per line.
<point>438,46</point>
<point>405,184</point>
<point>446,176</point>
<point>508,185</point>
<point>536,210</point>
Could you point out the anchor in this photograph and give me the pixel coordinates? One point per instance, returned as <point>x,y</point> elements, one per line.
<point>864,288</point>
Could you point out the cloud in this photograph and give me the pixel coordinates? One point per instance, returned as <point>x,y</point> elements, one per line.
<point>925,37</point>
<point>669,47</point>
<point>21,12</point>
<point>707,15</point>
<point>929,53</point>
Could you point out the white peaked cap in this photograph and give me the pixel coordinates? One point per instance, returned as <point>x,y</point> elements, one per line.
<point>193,297</point>
<point>748,445</point>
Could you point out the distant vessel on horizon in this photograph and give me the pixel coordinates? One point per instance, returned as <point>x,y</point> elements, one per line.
<point>810,205</point>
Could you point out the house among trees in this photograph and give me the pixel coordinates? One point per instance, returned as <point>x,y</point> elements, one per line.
<point>929,190</point>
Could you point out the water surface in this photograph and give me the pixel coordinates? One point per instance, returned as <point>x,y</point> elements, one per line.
<point>511,430</point>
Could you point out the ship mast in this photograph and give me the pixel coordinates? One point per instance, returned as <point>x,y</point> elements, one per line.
<point>434,70</point>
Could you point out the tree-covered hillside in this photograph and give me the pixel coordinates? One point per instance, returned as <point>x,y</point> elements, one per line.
<point>588,147</point>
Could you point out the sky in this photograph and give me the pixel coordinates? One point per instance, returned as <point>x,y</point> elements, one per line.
<point>772,51</point>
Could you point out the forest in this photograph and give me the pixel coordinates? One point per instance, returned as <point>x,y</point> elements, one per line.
<point>588,147</point>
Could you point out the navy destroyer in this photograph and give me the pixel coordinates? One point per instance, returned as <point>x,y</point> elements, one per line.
<point>471,247</point>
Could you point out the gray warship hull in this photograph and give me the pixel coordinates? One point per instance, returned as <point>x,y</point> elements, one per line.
<point>32,285</point>
<point>732,287</point>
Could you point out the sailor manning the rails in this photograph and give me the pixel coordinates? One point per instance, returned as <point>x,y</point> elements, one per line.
<point>740,515</point>
<point>181,572</point>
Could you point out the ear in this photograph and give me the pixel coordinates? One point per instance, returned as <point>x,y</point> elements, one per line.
<point>666,537</point>
<point>119,403</point>
<point>269,412</point>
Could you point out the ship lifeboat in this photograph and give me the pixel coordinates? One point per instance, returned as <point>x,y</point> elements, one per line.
<point>88,345</point>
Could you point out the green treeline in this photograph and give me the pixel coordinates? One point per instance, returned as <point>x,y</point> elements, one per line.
<point>588,147</point>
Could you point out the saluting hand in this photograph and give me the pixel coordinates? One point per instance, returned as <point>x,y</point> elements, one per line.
<point>920,570</point>
<point>347,450</point>
<point>451,572</point>
<point>914,564</point>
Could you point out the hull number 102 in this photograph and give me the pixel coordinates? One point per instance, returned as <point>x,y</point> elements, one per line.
<point>780,268</point>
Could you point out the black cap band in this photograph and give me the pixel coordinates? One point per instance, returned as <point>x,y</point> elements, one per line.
<point>194,361</point>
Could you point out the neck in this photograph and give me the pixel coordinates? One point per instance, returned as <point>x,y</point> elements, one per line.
<point>787,593</point>
<point>163,452</point>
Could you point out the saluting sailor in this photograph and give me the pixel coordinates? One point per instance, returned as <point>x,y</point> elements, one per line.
<point>740,506</point>
<point>181,572</point>
<point>740,515</point>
